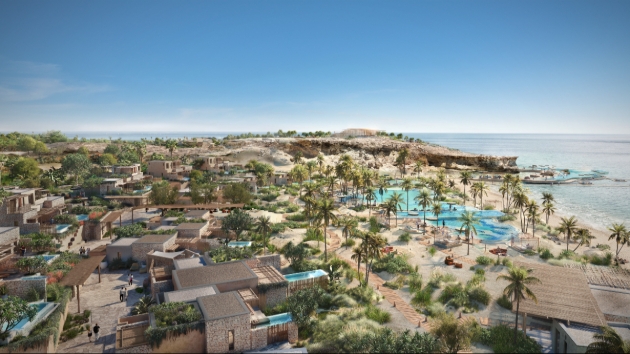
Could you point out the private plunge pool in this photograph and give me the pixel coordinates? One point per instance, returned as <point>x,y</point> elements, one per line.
<point>305,275</point>
<point>61,228</point>
<point>83,217</point>
<point>24,327</point>
<point>278,319</point>
<point>240,244</point>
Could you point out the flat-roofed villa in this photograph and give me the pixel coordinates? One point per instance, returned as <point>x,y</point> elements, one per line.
<point>170,170</point>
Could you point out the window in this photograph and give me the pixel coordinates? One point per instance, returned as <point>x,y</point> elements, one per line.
<point>231,340</point>
<point>119,255</point>
<point>15,223</point>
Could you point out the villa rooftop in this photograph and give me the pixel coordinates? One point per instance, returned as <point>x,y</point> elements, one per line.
<point>268,275</point>
<point>192,225</point>
<point>169,255</point>
<point>124,241</point>
<point>563,294</point>
<point>156,238</point>
<point>190,294</point>
<point>213,274</point>
<point>187,263</point>
<point>223,305</point>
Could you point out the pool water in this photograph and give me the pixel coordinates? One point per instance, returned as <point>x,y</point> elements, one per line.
<point>277,319</point>
<point>82,217</point>
<point>240,244</point>
<point>305,275</point>
<point>43,310</point>
<point>50,257</point>
<point>61,228</point>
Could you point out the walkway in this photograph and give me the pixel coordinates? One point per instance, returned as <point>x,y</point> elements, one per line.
<point>103,300</point>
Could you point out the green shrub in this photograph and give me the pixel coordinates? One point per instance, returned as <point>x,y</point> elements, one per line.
<point>297,217</point>
<point>603,261</point>
<point>488,207</point>
<point>404,237</point>
<point>392,263</point>
<point>435,309</point>
<point>364,294</point>
<point>415,282</point>
<point>174,313</point>
<point>432,251</point>
<point>506,262</point>
<point>375,314</point>
<point>343,300</point>
<point>139,290</point>
<point>480,295</point>
<point>501,339</point>
<point>568,254</point>
<point>506,218</point>
<point>349,243</point>
<point>480,271</point>
<point>484,260</point>
<point>545,253</point>
<point>603,247</point>
<point>422,298</point>
<point>505,302</point>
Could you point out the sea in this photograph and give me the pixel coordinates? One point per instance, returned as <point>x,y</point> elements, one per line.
<point>597,205</point>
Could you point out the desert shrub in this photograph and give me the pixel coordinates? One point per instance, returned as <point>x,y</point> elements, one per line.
<point>375,314</point>
<point>568,254</point>
<point>545,253</point>
<point>404,237</point>
<point>603,247</point>
<point>488,207</point>
<point>349,243</point>
<point>506,218</point>
<point>364,294</point>
<point>603,261</point>
<point>397,283</point>
<point>480,271</point>
<point>506,262</point>
<point>31,265</point>
<point>476,280</point>
<point>392,263</point>
<point>505,302</point>
<point>415,282</point>
<point>422,298</point>
<point>297,217</point>
<point>480,295</point>
<point>174,313</point>
<point>501,339</point>
<point>432,251</point>
<point>483,260</point>
<point>435,309</point>
<point>439,278</point>
<point>343,300</point>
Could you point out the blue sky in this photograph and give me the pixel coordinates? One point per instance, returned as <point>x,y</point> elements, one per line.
<point>404,66</point>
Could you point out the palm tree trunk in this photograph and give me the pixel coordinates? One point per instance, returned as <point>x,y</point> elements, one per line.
<point>464,194</point>
<point>407,201</point>
<point>516,321</point>
<point>325,246</point>
<point>468,238</point>
<point>568,241</point>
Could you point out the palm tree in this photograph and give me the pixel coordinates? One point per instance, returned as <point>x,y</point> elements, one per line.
<point>437,209</point>
<point>325,214</point>
<point>298,157</point>
<point>609,341</point>
<point>547,198</point>
<point>370,195</point>
<point>464,178</point>
<point>519,278</point>
<point>468,221</point>
<point>418,167</point>
<point>521,201</point>
<point>373,245</point>
<point>389,208</point>
<point>396,199</point>
<point>357,254</point>
<point>401,160</point>
<point>424,198</point>
<point>407,185</point>
<point>171,145</point>
<point>473,192</point>
<point>504,190</point>
<point>620,234</point>
<point>532,213</point>
<point>348,224</point>
<point>320,161</point>
<point>382,188</point>
<point>584,237</point>
<point>298,172</point>
<point>481,190</point>
<point>569,227</point>
<point>310,167</point>
<point>142,306</point>
<point>548,209</point>
<point>263,226</point>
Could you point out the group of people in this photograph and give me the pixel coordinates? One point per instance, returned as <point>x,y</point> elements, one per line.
<point>83,251</point>
<point>96,329</point>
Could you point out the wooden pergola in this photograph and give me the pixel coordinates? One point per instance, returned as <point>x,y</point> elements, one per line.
<point>80,273</point>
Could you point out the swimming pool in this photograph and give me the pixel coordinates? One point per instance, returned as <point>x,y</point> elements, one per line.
<point>277,319</point>
<point>50,257</point>
<point>83,217</point>
<point>24,327</point>
<point>240,244</point>
<point>305,275</point>
<point>61,228</point>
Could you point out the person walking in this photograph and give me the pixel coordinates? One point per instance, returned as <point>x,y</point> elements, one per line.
<point>97,329</point>
<point>122,294</point>
<point>126,293</point>
<point>89,334</point>
<point>130,279</point>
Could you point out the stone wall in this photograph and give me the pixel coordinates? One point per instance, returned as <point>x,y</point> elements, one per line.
<point>293,333</point>
<point>26,229</point>
<point>217,334</point>
<point>161,287</point>
<point>273,297</point>
<point>52,202</point>
<point>21,287</point>
<point>259,337</point>
<point>192,233</point>
<point>92,231</point>
<point>139,250</point>
<point>10,236</point>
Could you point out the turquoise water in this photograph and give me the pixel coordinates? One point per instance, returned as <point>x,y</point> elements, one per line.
<point>49,257</point>
<point>40,310</point>
<point>240,244</point>
<point>62,228</point>
<point>278,319</point>
<point>599,204</point>
<point>35,277</point>
<point>305,275</point>
<point>82,217</point>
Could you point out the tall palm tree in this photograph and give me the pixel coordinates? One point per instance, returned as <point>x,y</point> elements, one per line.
<point>504,190</point>
<point>474,192</point>
<point>407,185</point>
<point>547,198</point>
<point>396,199</point>
<point>468,221</point>
<point>382,188</point>
<point>373,245</point>
<point>532,214</point>
<point>370,195</point>
<point>464,178</point>
<point>331,182</point>
<point>481,190</point>
<point>171,145</point>
<point>299,173</point>
<point>620,234</point>
<point>357,254</point>
<point>320,161</point>
<point>548,209</point>
<point>584,237</point>
<point>569,227</point>
<point>521,201</point>
<point>418,167</point>
<point>519,278</point>
<point>609,341</point>
<point>389,208</point>
<point>298,157</point>
<point>348,225</point>
<point>324,210</point>
<point>424,198</point>
<point>263,226</point>
<point>437,209</point>
<point>311,166</point>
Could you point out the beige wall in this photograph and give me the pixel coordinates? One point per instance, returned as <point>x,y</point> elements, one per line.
<point>191,342</point>
<point>217,334</point>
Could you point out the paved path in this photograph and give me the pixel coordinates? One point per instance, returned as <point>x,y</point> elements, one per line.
<point>103,300</point>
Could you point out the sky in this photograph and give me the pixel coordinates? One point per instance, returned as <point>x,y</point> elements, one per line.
<point>402,66</point>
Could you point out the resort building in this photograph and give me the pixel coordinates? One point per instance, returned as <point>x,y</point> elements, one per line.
<point>170,170</point>
<point>137,248</point>
<point>192,230</point>
<point>215,164</point>
<point>280,179</point>
<point>9,238</point>
<point>131,172</point>
<point>29,208</point>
